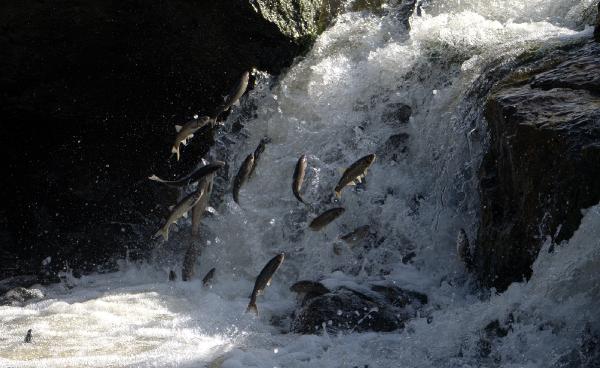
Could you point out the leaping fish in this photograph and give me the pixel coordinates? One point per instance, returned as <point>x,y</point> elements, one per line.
<point>325,218</point>
<point>263,280</point>
<point>187,131</point>
<point>242,176</point>
<point>299,177</point>
<point>192,177</point>
<point>354,173</point>
<point>234,95</point>
<point>181,209</point>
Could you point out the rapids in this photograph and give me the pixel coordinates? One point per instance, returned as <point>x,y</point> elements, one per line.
<point>334,105</point>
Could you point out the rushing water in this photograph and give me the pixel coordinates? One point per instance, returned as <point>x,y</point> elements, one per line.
<point>333,105</point>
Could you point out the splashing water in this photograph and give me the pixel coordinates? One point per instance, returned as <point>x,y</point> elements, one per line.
<point>337,104</point>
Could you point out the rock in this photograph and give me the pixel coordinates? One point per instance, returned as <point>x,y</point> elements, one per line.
<point>542,165</point>
<point>345,309</point>
<point>597,29</point>
<point>91,91</point>
<point>395,148</point>
<point>18,296</point>
<point>396,113</point>
<point>17,281</point>
<point>585,356</point>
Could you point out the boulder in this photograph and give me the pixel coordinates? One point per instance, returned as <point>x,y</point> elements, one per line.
<point>19,296</point>
<point>541,168</point>
<point>344,309</point>
<point>91,91</point>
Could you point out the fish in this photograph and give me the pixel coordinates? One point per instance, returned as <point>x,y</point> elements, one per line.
<point>299,177</point>
<point>357,234</point>
<point>187,131</point>
<point>242,176</point>
<point>463,248</point>
<point>192,177</point>
<point>172,276</point>
<point>263,280</point>
<point>181,209</point>
<point>354,173</point>
<point>28,336</point>
<point>234,95</point>
<point>325,218</point>
<point>309,287</point>
<point>189,263</point>
<point>206,185</point>
<point>257,152</point>
<point>206,281</point>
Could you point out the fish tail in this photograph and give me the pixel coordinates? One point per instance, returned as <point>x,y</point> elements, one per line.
<point>175,150</point>
<point>164,231</point>
<point>252,307</point>
<point>156,178</point>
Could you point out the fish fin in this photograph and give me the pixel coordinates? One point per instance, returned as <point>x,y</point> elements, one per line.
<point>184,142</point>
<point>269,283</point>
<point>175,150</point>
<point>236,103</point>
<point>359,179</point>
<point>338,193</point>
<point>185,215</point>
<point>204,162</point>
<point>212,211</point>
<point>164,231</point>
<point>341,170</point>
<point>190,136</point>
<point>352,183</point>
<point>178,128</point>
<point>252,308</point>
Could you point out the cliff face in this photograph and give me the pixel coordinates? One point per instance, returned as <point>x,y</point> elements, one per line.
<point>543,164</point>
<point>91,91</point>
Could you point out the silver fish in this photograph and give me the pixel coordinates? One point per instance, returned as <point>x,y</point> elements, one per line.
<point>192,177</point>
<point>181,209</point>
<point>187,131</point>
<point>299,177</point>
<point>263,280</point>
<point>242,176</point>
<point>257,152</point>
<point>235,94</point>
<point>206,185</point>
<point>325,218</point>
<point>354,173</point>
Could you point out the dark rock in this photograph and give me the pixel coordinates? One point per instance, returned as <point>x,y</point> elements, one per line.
<point>597,29</point>
<point>347,309</point>
<point>344,310</point>
<point>396,113</point>
<point>90,93</point>
<point>542,165</point>
<point>17,281</point>
<point>587,355</point>
<point>395,147</point>
<point>18,296</point>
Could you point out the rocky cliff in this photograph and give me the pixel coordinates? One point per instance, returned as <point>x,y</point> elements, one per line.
<point>91,91</point>
<point>543,164</point>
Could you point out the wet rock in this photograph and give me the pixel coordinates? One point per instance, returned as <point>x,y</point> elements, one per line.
<point>346,309</point>
<point>17,281</point>
<point>396,113</point>
<point>597,29</point>
<point>91,91</point>
<point>18,296</point>
<point>542,165</point>
<point>395,148</point>
<point>585,356</point>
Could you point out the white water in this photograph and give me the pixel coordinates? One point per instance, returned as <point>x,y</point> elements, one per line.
<point>329,105</point>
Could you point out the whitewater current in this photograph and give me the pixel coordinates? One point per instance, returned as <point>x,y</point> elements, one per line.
<point>336,104</point>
